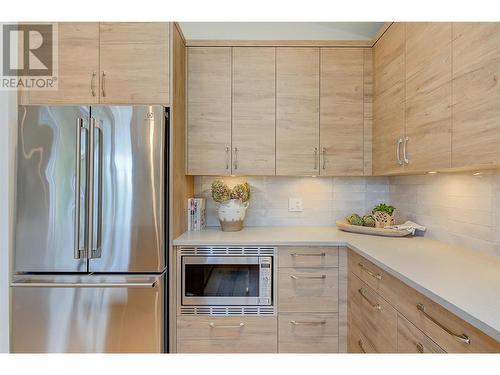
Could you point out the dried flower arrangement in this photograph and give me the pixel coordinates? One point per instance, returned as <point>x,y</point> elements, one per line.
<point>221,193</point>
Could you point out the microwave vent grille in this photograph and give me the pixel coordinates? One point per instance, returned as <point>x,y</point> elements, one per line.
<point>227,310</point>
<point>226,250</point>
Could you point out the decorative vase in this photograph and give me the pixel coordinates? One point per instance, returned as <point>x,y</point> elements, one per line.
<point>383,219</point>
<point>231,215</point>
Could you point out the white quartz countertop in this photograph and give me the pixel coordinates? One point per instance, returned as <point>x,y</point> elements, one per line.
<point>465,282</point>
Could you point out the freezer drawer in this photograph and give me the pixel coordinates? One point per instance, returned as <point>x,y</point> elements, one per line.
<point>88,314</point>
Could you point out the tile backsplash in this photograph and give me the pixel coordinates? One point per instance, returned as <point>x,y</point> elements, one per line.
<point>325,199</point>
<point>461,209</point>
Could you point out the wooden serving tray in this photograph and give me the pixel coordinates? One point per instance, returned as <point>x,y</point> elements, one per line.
<point>345,226</point>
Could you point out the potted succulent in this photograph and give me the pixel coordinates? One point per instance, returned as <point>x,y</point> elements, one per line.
<point>384,215</point>
<point>233,204</point>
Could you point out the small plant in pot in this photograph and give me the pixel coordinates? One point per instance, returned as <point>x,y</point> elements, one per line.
<point>384,215</point>
<point>233,204</point>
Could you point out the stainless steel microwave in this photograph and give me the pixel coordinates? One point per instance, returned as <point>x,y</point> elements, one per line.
<point>227,280</point>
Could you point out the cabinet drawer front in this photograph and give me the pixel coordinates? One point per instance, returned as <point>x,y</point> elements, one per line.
<point>357,341</point>
<point>376,319</point>
<point>226,334</point>
<point>308,333</point>
<point>413,340</point>
<point>447,330</point>
<point>308,257</point>
<point>308,290</point>
<point>374,276</point>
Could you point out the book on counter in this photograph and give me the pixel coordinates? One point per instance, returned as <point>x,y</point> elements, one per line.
<point>196,214</point>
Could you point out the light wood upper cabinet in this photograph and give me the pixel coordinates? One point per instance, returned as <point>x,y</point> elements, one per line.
<point>389,100</point>
<point>428,96</point>
<point>209,111</point>
<point>341,112</point>
<point>134,62</point>
<point>78,67</point>
<point>476,94</point>
<point>297,111</point>
<point>110,63</point>
<point>253,111</point>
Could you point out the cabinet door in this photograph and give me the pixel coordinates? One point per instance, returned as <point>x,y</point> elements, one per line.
<point>134,58</point>
<point>78,67</point>
<point>389,107</point>
<point>297,111</point>
<point>253,117</point>
<point>209,111</point>
<point>428,96</point>
<point>341,112</point>
<point>476,94</point>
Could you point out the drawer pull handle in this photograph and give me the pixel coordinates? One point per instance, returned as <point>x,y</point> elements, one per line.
<point>463,337</point>
<point>420,347</point>
<point>297,322</point>
<point>376,306</point>
<point>212,325</point>
<point>308,254</point>
<point>308,277</point>
<point>360,344</point>
<point>363,268</point>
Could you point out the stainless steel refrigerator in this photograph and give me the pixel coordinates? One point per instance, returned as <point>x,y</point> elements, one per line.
<point>90,229</point>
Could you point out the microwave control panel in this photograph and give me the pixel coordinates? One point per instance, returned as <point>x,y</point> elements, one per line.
<point>266,280</point>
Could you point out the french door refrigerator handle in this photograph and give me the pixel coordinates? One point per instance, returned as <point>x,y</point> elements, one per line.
<point>90,185</point>
<point>96,252</point>
<point>78,253</point>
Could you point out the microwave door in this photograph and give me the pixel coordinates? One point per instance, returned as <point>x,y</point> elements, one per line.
<point>220,281</point>
<point>51,189</point>
<point>129,144</point>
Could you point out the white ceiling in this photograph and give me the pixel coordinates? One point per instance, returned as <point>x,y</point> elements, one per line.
<point>281,30</point>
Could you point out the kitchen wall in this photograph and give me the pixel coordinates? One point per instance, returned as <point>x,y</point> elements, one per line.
<point>8,121</point>
<point>324,199</point>
<point>461,209</point>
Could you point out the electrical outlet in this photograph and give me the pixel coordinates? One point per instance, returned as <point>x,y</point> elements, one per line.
<point>295,204</point>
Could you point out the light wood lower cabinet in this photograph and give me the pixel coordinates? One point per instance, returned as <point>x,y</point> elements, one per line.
<point>403,319</point>
<point>210,334</point>
<point>308,333</point>
<point>309,296</point>
<point>373,315</point>
<point>413,340</point>
<point>308,290</point>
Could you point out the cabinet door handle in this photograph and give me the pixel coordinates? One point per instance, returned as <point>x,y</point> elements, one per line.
<point>324,157</point>
<point>360,344</point>
<point>315,158</point>
<point>297,322</point>
<point>213,325</point>
<point>308,277</point>
<point>308,254</point>
<point>375,305</point>
<point>92,84</point>
<point>398,151</point>
<point>372,274</point>
<point>103,85</point>
<point>227,157</point>
<point>405,156</point>
<point>420,347</point>
<point>460,337</point>
<point>235,158</point>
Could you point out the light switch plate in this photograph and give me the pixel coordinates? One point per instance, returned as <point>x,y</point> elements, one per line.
<point>295,205</point>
